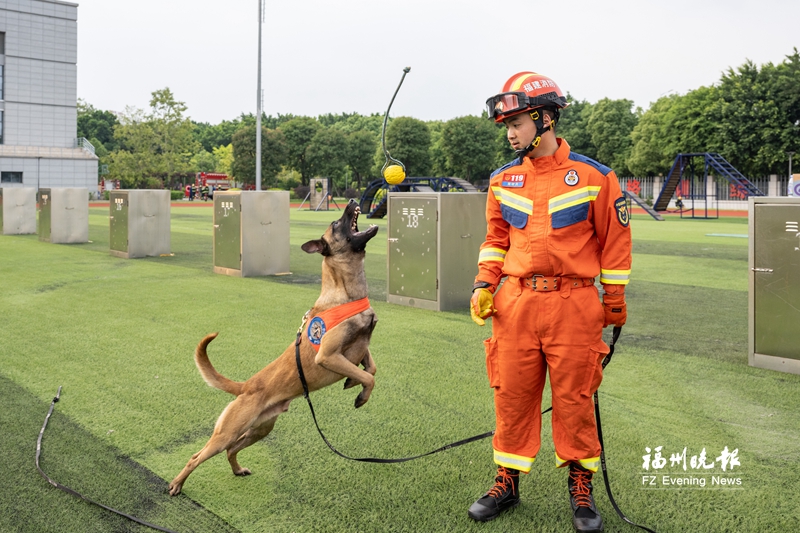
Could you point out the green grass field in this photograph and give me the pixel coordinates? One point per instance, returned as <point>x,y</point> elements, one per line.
<point>118,335</point>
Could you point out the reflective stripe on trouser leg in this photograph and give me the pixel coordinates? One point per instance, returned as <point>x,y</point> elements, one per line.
<point>517,462</point>
<point>592,464</point>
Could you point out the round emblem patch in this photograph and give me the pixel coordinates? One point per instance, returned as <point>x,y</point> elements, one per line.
<point>315,331</point>
<point>797,189</point>
<point>571,178</point>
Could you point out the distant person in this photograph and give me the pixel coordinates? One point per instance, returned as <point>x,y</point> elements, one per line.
<point>556,220</point>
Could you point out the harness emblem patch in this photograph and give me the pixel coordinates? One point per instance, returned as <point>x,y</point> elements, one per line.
<point>622,211</point>
<point>571,178</point>
<point>514,181</point>
<point>316,329</point>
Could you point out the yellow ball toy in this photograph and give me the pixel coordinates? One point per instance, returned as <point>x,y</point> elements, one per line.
<point>394,174</point>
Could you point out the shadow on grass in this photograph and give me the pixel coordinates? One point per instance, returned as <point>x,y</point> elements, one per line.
<point>76,459</point>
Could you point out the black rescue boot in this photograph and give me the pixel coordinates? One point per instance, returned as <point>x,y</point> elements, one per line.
<point>585,517</point>
<point>504,495</point>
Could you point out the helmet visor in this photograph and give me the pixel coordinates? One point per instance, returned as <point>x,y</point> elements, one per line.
<point>507,104</point>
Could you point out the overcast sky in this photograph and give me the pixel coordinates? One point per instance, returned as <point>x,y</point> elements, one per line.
<point>324,56</point>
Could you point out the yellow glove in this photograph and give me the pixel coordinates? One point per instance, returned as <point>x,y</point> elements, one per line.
<point>481,305</point>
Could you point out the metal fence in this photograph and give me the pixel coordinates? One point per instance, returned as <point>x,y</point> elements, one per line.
<point>722,189</point>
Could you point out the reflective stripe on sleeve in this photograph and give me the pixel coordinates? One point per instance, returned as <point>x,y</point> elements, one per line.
<point>492,254</point>
<point>615,277</point>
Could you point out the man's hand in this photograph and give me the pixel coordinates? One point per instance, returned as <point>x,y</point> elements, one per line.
<point>616,312</point>
<point>481,305</point>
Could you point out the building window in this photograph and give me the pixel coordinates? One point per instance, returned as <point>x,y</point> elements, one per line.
<point>10,177</point>
<point>2,43</point>
<point>1,82</point>
<point>1,127</point>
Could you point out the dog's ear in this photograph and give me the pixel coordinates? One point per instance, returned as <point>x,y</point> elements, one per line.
<point>318,246</point>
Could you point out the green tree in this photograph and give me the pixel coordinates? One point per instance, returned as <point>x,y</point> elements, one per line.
<point>468,145</point>
<point>326,156</point>
<point>361,146</point>
<point>135,160</point>
<point>203,161</point>
<point>439,167</point>
<point>649,153</point>
<point>175,143</point>
<point>610,126</point>
<point>298,133</point>
<point>574,127</point>
<point>407,140</point>
<point>273,155</point>
<point>224,156</point>
<point>211,136</point>
<point>97,125</point>
<point>758,112</point>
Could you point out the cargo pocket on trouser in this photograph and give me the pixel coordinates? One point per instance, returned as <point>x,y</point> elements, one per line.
<point>594,368</point>
<point>491,362</point>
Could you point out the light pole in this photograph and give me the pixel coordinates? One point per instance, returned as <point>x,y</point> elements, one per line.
<point>790,191</point>
<point>258,100</point>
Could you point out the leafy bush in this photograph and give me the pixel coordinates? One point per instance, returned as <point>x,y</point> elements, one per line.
<point>351,193</point>
<point>301,191</point>
<point>176,195</point>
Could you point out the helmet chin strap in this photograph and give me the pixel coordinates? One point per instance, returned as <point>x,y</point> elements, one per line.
<point>538,121</point>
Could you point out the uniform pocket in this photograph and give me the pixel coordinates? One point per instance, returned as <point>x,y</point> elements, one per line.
<point>518,219</point>
<point>594,368</point>
<point>491,362</point>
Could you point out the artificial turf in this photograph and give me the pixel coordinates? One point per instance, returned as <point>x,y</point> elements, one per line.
<point>118,335</point>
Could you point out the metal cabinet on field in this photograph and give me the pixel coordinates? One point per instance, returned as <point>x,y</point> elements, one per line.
<point>434,242</point>
<point>139,223</point>
<point>63,215</point>
<point>17,210</point>
<point>251,233</point>
<point>774,313</point>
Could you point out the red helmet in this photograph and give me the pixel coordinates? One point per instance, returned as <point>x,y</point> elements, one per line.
<point>522,92</point>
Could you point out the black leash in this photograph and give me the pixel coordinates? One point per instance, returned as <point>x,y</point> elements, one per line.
<point>606,360</point>
<point>74,493</point>
<point>367,459</point>
<point>614,337</point>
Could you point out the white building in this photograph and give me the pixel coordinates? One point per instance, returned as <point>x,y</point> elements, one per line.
<point>38,97</point>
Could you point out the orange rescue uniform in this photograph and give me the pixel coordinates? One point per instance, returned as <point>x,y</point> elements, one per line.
<point>554,224</point>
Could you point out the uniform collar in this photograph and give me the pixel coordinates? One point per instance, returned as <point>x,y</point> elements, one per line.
<point>558,158</point>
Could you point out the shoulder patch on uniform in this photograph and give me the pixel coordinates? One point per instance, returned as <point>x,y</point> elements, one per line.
<point>508,165</point>
<point>621,206</point>
<point>589,161</point>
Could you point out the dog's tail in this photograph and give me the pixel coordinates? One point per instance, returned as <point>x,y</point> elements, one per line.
<point>209,373</point>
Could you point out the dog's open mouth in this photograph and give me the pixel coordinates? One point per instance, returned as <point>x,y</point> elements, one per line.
<point>354,224</point>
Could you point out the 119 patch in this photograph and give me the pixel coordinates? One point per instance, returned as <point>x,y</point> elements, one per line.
<point>621,206</point>
<point>513,180</point>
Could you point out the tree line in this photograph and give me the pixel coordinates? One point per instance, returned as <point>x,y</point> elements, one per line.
<point>751,116</point>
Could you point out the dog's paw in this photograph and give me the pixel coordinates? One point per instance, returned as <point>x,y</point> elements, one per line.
<point>174,488</point>
<point>361,399</point>
<point>350,382</point>
<point>243,472</point>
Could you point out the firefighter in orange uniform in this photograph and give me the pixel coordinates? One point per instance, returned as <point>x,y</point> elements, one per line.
<point>556,220</point>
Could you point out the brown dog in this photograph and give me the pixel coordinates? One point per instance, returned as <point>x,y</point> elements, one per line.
<point>341,348</point>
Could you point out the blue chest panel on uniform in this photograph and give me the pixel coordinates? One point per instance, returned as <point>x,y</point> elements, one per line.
<point>589,161</point>
<point>571,215</point>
